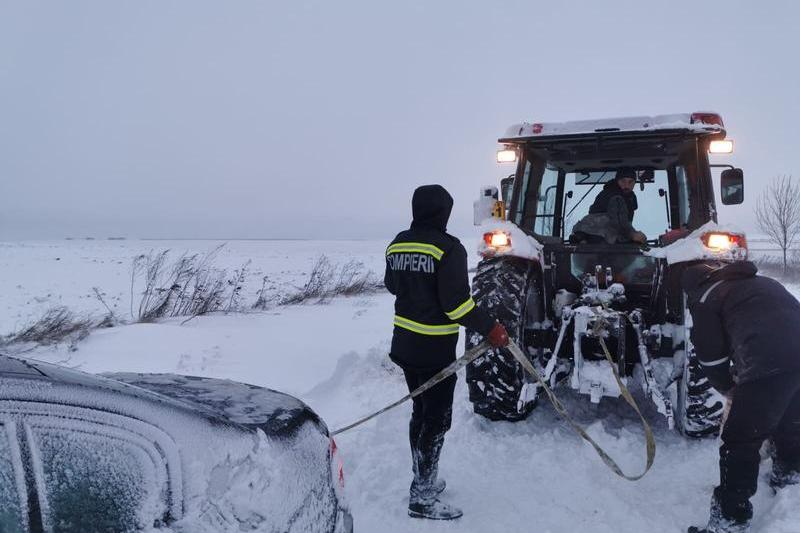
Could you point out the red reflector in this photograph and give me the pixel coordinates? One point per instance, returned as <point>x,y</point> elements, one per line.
<point>712,119</point>
<point>537,128</point>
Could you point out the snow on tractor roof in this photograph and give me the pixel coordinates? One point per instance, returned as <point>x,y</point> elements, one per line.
<point>703,122</point>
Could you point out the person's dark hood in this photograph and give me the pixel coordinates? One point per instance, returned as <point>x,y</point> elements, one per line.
<point>700,275</point>
<point>431,206</point>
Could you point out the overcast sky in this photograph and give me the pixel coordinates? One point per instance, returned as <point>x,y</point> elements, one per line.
<point>260,119</point>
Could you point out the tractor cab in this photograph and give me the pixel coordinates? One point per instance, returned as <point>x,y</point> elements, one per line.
<point>563,167</point>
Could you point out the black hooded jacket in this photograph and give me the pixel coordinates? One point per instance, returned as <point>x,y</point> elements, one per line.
<point>426,269</point>
<point>750,321</point>
<point>618,205</point>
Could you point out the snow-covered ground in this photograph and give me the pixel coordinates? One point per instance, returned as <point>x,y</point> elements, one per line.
<point>529,476</point>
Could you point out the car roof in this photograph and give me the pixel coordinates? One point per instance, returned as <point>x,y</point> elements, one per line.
<point>641,125</point>
<point>274,412</point>
<point>220,401</point>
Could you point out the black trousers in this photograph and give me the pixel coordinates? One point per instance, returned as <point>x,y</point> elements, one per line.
<point>431,417</point>
<point>768,408</point>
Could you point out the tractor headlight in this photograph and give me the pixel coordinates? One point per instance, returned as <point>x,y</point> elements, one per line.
<point>497,239</point>
<point>724,146</point>
<point>719,241</point>
<point>507,155</point>
<point>732,244</point>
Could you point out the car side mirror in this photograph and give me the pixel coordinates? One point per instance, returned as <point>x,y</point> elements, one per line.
<point>732,186</point>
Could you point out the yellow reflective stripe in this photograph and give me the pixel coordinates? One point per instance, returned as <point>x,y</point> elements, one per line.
<point>418,247</point>
<point>461,310</point>
<point>425,329</point>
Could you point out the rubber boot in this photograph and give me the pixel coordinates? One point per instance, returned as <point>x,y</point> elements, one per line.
<point>438,487</point>
<point>436,510</point>
<point>718,523</point>
<point>783,475</point>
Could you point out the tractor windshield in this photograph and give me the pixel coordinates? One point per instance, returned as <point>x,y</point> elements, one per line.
<point>553,193</point>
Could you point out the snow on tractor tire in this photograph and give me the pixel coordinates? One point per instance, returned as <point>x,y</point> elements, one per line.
<point>559,288</point>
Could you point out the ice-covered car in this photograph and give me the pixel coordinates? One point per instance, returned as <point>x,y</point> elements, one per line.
<point>132,452</point>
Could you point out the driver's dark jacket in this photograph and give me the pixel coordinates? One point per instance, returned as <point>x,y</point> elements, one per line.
<point>738,317</point>
<point>610,215</point>
<point>426,269</point>
<point>618,205</point>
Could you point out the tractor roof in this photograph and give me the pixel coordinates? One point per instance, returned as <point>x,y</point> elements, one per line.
<point>703,123</point>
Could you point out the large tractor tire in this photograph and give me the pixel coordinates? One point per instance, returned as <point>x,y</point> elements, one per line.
<point>495,379</point>
<point>699,407</point>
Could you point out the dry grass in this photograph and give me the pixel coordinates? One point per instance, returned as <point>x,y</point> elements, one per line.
<point>326,281</point>
<point>186,287</point>
<point>57,325</point>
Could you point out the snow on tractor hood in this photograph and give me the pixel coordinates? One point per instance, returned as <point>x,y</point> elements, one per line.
<point>693,248</point>
<point>520,244</point>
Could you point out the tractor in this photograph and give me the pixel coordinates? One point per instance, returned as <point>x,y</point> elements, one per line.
<point>559,296</point>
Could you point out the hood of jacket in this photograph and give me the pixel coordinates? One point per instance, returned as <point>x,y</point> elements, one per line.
<point>700,275</point>
<point>431,206</point>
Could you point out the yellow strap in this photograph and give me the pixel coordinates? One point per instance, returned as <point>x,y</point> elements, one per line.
<point>425,329</point>
<point>418,247</point>
<point>461,310</point>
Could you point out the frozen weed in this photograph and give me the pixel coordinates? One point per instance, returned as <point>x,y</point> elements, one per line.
<point>187,287</point>
<point>327,281</point>
<point>57,325</point>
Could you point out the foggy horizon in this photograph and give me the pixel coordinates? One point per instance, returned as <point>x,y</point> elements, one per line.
<point>314,120</point>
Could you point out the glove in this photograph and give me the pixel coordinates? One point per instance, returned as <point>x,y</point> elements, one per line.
<point>638,236</point>
<point>498,337</point>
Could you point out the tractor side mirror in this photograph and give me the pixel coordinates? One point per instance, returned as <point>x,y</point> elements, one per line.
<point>732,186</point>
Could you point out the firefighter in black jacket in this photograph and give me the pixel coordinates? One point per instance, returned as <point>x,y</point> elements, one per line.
<point>426,269</point>
<point>746,333</point>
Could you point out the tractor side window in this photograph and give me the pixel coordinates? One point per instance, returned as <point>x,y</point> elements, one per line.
<point>13,516</point>
<point>546,202</point>
<point>523,192</point>
<point>682,182</point>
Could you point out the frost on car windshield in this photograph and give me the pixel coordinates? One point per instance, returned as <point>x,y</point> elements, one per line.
<point>12,516</point>
<point>92,482</point>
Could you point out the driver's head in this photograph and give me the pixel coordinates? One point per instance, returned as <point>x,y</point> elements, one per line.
<point>626,179</point>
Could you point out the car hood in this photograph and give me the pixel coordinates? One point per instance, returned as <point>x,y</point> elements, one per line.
<point>275,413</point>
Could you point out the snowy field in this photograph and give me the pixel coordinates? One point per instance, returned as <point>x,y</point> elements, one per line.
<point>534,475</point>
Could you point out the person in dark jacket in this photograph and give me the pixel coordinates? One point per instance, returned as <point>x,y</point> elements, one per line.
<point>610,217</point>
<point>745,333</point>
<point>426,269</point>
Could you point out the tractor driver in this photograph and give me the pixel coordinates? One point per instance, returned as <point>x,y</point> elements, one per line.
<point>610,217</point>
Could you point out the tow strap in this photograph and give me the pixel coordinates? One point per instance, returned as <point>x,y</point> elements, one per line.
<point>480,349</point>
<point>452,368</point>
